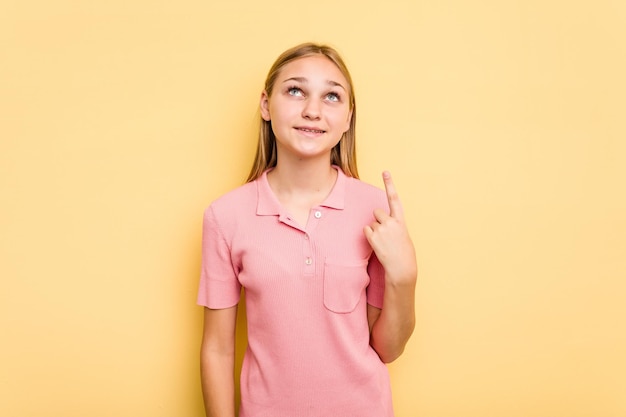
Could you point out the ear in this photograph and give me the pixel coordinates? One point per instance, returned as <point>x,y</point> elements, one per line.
<point>348,121</point>
<point>265,106</point>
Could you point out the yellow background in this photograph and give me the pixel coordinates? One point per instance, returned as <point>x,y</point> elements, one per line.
<point>502,122</point>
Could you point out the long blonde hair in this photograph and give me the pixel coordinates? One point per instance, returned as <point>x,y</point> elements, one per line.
<point>344,153</point>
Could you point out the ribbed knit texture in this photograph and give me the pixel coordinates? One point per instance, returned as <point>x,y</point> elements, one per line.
<point>307,290</point>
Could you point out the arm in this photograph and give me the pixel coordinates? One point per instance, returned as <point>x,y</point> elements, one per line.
<point>217,362</point>
<point>391,327</point>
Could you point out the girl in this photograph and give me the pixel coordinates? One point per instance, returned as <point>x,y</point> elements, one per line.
<point>329,275</point>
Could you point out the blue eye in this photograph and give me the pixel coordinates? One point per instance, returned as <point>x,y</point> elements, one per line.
<point>294,91</point>
<point>334,97</point>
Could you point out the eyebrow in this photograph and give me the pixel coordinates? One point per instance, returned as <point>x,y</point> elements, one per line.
<point>304,81</point>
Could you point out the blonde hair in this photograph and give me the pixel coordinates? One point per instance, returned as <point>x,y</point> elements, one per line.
<point>344,153</point>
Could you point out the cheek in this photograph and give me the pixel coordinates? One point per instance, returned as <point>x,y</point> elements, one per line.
<point>283,111</point>
<point>345,120</point>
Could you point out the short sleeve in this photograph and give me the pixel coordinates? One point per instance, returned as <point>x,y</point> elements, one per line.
<point>376,287</point>
<point>219,285</point>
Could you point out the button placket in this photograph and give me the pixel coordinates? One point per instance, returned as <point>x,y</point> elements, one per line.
<point>308,244</point>
<point>307,251</point>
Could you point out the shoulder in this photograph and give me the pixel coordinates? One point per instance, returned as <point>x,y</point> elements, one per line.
<point>234,203</point>
<point>365,193</point>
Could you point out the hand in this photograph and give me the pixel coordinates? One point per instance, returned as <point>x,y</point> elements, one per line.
<point>390,240</point>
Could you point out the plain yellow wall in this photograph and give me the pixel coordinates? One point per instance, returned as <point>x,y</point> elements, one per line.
<point>502,122</point>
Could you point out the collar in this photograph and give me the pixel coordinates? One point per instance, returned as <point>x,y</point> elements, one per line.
<point>268,204</point>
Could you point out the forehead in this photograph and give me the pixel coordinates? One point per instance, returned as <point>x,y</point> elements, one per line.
<point>313,68</point>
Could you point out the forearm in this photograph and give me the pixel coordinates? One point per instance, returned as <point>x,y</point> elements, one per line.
<point>217,362</point>
<point>218,385</point>
<point>396,322</point>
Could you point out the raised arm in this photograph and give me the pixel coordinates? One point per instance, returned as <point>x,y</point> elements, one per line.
<point>392,326</point>
<point>217,362</point>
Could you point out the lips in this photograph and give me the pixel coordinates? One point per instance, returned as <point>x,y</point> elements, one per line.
<point>310,130</point>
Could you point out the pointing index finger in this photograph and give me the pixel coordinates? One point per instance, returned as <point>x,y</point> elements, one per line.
<point>395,207</point>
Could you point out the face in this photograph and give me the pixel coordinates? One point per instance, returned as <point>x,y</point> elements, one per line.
<point>308,107</point>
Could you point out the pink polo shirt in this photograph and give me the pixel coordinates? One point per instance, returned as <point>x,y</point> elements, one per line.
<point>307,290</point>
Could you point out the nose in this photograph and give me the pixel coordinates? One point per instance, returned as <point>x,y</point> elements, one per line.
<point>311,109</point>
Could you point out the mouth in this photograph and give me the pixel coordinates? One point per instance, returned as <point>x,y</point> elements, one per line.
<point>310,130</point>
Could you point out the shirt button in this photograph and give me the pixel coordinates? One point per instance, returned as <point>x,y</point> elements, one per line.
<point>306,237</point>
<point>318,214</point>
<point>308,261</point>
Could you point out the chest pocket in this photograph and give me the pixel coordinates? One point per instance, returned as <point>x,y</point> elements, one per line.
<point>344,285</point>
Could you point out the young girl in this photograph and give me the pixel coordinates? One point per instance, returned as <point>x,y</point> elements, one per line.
<point>329,274</point>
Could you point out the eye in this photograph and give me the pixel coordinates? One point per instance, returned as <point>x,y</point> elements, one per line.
<point>334,97</point>
<point>295,91</point>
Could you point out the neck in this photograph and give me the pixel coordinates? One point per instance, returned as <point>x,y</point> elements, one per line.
<point>302,177</point>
